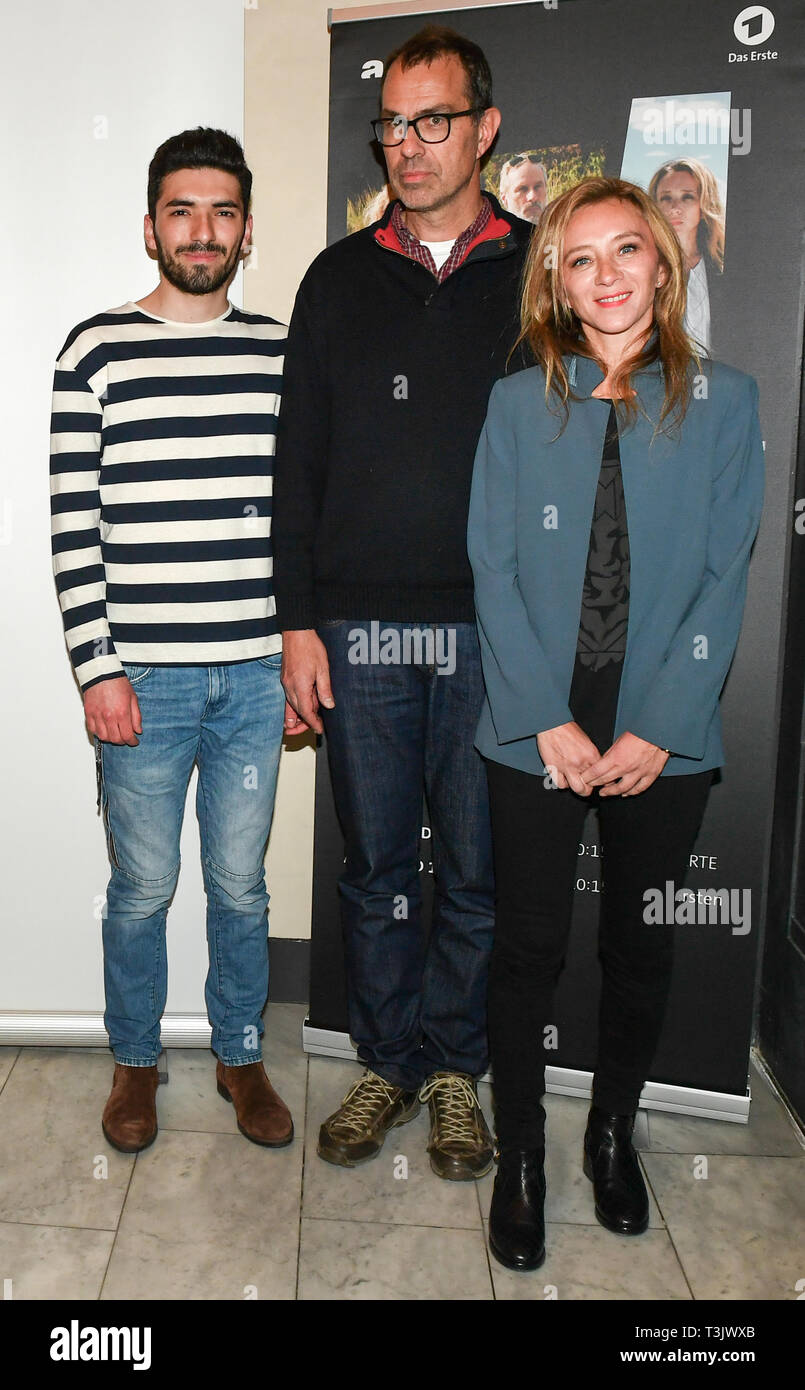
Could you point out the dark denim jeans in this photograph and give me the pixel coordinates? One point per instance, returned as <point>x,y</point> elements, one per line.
<point>404,721</point>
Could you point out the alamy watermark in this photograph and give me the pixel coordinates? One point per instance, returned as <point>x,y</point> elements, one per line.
<point>403,646</point>
<point>668,123</point>
<point>707,906</point>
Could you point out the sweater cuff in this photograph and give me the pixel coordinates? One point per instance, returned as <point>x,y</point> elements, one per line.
<point>296,611</point>
<point>96,680</point>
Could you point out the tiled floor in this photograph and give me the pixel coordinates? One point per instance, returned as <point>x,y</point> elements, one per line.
<point>203,1214</point>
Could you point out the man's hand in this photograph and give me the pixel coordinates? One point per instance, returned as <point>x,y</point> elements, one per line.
<point>292,724</point>
<point>567,753</point>
<point>628,767</point>
<point>112,711</point>
<point>306,677</point>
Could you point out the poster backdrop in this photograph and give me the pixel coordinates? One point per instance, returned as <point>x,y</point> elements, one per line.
<point>698,104</point>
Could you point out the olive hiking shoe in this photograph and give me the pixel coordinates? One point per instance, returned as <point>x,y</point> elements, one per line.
<point>357,1129</point>
<point>460,1144</point>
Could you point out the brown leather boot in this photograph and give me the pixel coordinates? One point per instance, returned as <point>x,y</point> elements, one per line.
<point>262,1116</point>
<point>130,1117</point>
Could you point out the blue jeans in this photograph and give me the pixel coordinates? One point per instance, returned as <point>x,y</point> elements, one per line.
<point>398,729</point>
<point>228,719</point>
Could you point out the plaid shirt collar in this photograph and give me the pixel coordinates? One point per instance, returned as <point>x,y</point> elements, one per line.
<point>420,253</point>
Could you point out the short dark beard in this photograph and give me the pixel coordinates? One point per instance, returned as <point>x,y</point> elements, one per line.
<point>197,279</point>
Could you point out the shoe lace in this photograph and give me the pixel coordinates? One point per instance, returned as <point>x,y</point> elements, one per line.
<point>455,1106</point>
<point>362,1101</point>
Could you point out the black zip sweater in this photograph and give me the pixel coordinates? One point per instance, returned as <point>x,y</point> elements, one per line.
<point>386,382</point>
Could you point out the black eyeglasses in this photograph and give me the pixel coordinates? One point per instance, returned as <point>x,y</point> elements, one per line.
<point>431,129</point>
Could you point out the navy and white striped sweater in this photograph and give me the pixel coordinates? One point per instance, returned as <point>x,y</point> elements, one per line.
<point>162,452</point>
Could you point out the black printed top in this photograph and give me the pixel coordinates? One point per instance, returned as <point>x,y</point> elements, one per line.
<point>604,617</point>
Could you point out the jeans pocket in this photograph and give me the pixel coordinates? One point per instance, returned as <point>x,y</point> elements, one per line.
<point>274,661</point>
<point>136,673</point>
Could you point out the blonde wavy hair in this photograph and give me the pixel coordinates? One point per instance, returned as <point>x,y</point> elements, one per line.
<point>553,331</point>
<point>710,231</point>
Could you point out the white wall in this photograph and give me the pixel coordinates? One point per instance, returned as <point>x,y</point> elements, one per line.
<point>88,89</point>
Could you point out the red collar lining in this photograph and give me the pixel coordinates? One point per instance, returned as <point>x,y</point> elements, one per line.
<point>495,229</point>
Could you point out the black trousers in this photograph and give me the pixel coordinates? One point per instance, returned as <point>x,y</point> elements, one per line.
<point>645,840</point>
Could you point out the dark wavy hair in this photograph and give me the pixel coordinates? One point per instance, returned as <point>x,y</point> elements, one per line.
<point>202,148</point>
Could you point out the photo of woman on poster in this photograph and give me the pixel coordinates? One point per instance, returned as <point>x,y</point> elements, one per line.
<point>687,193</point>
<point>613,510</point>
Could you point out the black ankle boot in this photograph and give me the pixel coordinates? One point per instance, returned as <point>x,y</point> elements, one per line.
<point>610,1162</point>
<point>516,1219</point>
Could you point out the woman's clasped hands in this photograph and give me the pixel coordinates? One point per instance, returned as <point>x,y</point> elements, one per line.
<point>572,760</point>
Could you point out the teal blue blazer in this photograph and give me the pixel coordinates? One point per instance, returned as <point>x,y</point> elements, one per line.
<point>693,504</point>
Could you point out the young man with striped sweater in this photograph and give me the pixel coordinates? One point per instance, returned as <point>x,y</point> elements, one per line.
<point>164,420</point>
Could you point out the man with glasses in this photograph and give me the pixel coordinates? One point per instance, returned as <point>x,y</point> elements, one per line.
<point>524,186</point>
<point>398,334</point>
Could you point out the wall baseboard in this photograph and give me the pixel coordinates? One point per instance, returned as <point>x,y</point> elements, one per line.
<point>33,1029</point>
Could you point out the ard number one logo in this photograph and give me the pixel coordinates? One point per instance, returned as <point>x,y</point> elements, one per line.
<point>754,25</point>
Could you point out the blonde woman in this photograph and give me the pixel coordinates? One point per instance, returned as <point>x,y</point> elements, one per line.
<point>687,193</point>
<point>612,514</point>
